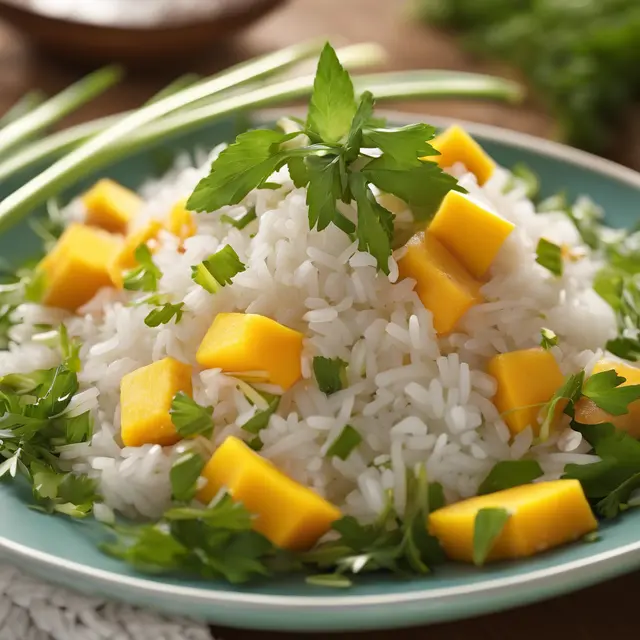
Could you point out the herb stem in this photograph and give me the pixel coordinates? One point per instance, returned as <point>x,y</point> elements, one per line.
<point>52,110</point>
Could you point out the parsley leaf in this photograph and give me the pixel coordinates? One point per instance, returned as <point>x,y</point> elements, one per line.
<point>375,223</point>
<point>164,314</point>
<point>218,269</point>
<point>611,505</point>
<point>406,145</point>
<point>330,373</point>
<point>242,221</point>
<point>241,167</point>
<point>510,473</point>
<point>562,400</point>
<point>333,104</point>
<point>70,349</point>
<point>487,527</point>
<point>605,390</point>
<point>323,190</point>
<point>345,443</point>
<point>362,116</point>
<point>144,277</point>
<point>189,418</point>
<point>549,255</point>
<point>548,338</point>
<point>184,474</point>
<point>260,420</point>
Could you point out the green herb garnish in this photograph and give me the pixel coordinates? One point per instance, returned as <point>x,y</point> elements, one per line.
<point>510,473</point>
<point>164,314</point>
<point>549,255</point>
<point>184,475</point>
<point>218,269</point>
<point>548,338</point>
<point>606,390</point>
<point>144,277</point>
<point>345,443</point>
<point>190,418</point>
<point>260,420</point>
<point>242,221</point>
<point>332,165</point>
<point>568,394</point>
<point>330,373</point>
<point>488,526</point>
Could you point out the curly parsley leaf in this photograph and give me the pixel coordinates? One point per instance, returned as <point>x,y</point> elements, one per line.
<point>190,418</point>
<point>510,473</point>
<point>606,390</point>
<point>164,314</point>
<point>549,256</point>
<point>488,526</point>
<point>145,276</point>
<point>218,269</point>
<point>333,104</point>
<point>330,374</point>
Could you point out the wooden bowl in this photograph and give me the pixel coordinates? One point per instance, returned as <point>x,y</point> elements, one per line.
<point>90,37</point>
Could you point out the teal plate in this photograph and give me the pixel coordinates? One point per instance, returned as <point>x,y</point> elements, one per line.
<point>65,552</point>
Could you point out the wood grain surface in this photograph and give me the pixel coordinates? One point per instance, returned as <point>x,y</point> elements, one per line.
<point>602,611</point>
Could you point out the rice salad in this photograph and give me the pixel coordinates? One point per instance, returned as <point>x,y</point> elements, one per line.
<point>385,410</point>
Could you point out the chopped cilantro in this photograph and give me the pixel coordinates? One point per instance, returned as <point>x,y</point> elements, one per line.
<point>330,373</point>
<point>242,221</point>
<point>145,276</point>
<point>548,338</point>
<point>345,443</point>
<point>510,473</point>
<point>217,270</point>
<point>488,525</point>
<point>562,401</point>
<point>261,419</point>
<point>189,418</point>
<point>605,390</point>
<point>184,474</point>
<point>549,255</point>
<point>164,314</point>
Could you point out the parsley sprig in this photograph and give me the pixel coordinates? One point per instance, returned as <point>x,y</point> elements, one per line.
<point>333,166</point>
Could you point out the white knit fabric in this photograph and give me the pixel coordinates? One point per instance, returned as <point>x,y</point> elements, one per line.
<point>34,610</point>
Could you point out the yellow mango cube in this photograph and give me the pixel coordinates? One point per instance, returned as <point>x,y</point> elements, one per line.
<point>145,400</point>
<point>181,222</point>
<point>543,515</point>
<point>111,206</point>
<point>78,266</point>
<point>588,412</point>
<point>473,233</point>
<point>125,258</point>
<point>238,342</point>
<point>289,514</point>
<point>526,380</point>
<point>456,145</point>
<point>442,283</point>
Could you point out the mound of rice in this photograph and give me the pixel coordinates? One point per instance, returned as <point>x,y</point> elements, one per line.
<point>414,398</point>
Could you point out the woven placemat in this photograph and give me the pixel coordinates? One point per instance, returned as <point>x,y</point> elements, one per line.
<point>34,610</point>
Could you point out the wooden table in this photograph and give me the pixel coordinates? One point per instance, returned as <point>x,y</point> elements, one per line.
<point>602,611</point>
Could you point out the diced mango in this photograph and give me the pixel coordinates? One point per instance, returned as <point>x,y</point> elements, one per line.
<point>181,222</point>
<point>526,380</point>
<point>472,232</point>
<point>543,515</point>
<point>287,513</point>
<point>78,266</point>
<point>442,283</point>
<point>588,412</point>
<point>125,258</point>
<point>456,145</point>
<point>238,342</point>
<point>111,206</point>
<point>145,400</point>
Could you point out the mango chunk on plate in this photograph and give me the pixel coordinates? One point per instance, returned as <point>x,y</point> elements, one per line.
<point>587,412</point>
<point>542,515</point>
<point>442,283</point>
<point>145,400</point>
<point>111,206</point>
<point>289,514</point>
<point>239,342</point>
<point>456,145</point>
<point>526,380</point>
<point>181,222</point>
<point>78,266</point>
<point>125,258</point>
<point>472,232</point>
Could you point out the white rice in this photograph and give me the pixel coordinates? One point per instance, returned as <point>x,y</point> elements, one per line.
<point>414,398</point>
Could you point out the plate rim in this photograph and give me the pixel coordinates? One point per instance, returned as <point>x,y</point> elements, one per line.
<point>627,556</point>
